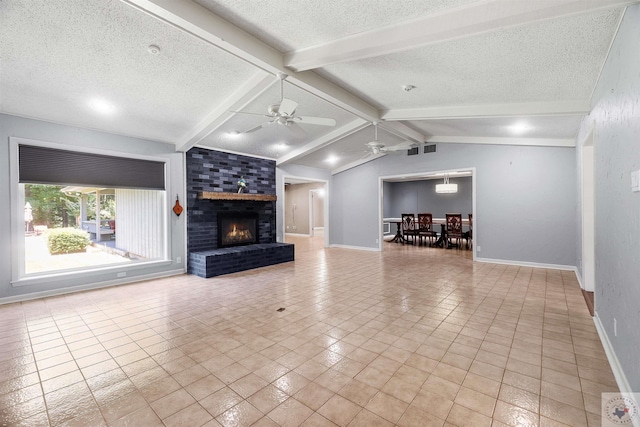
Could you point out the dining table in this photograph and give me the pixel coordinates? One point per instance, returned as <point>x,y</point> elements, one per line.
<point>398,238</point>
<point>443,231</point>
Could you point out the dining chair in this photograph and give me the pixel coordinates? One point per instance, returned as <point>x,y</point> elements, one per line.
<point>425,228</point>
<point>470,232</point>
<point>454,229</point>
<point>409,229</point>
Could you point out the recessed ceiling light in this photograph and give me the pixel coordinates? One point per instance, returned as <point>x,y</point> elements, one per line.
<point>332,159</point>
<point>408,88</point>
<point>153,49</point>
<point>519,128</point>
<point>102,106</point>
<point>234,133</point>
<point>279,146</point>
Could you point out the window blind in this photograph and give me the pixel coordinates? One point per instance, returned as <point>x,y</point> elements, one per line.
<point>42,165</point>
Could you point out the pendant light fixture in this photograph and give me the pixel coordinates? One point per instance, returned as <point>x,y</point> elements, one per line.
<point>446,187</point>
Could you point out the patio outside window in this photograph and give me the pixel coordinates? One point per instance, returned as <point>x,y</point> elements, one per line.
<point>84,211</point>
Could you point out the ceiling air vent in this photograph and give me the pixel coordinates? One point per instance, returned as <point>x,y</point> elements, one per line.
<point>430,148</point>
<point>412,151</point>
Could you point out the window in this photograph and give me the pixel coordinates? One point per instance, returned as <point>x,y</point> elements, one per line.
<point>80,211</point>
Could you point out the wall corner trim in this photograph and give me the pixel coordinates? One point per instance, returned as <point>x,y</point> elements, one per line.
<point>618,373</point>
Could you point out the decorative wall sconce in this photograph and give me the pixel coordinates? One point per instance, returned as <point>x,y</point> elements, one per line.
<point>177,209</point>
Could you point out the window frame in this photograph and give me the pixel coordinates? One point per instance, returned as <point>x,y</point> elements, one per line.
<point>18,276</point>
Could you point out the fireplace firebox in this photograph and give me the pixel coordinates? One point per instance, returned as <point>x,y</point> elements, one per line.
<point>237,229</point>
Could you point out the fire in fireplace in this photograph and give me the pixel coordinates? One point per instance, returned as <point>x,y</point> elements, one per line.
<point>237,228</point>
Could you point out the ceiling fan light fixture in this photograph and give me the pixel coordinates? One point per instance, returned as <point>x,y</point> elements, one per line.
<point>284,113</point>
<point>446,187</point>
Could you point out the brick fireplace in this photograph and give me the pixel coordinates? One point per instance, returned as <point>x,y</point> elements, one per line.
<point>212,178</point>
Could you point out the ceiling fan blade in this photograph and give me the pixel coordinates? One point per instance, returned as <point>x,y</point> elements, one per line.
<point>253,129</point>
<point>251,114</point>
<point>400,147</point>
<point>320,121</point>
<point>296,130</point>
<point>287,107</point>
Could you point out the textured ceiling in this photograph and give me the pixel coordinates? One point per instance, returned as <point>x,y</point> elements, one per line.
<point>289,25</point>
<point>56,56</point>
<point>546,61</point>
<point>478,68</point>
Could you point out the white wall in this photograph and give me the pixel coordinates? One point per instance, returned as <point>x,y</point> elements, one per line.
<point>11,126</point>
<point>525,199</point>
<point>615,120</point>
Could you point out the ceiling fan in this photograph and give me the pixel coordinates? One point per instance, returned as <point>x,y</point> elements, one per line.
<point>378,147</point>
<point>284,114</point>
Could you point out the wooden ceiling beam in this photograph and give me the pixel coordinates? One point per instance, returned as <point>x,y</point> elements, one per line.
<point>450,24</point>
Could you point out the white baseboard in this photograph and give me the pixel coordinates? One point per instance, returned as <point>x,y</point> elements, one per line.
<point>529,264</point>
<point>618,373</point>
<point>89,286</point>
<point>297,234</point>
<point>358,248</point>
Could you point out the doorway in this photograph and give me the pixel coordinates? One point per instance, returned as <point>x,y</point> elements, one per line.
<point>417,194</point>
<point>316,212</point>
<point>305,208</point>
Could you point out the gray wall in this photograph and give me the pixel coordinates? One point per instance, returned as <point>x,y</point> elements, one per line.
<point>50,132</point>
<point>616,122</point>
<point>525,201</point>
<point>420,196</point>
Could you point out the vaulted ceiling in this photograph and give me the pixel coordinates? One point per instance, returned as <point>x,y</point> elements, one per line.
<point>205,72</point>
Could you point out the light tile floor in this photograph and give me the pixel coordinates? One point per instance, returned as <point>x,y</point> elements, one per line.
<point>410,337</point>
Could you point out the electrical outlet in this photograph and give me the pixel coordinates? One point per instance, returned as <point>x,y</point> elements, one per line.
<point>122,274</point>
<point>615,327</point>
<point>377,241</point>
<point>635,181</point>
<point>287,227</point>
<point>478,249</point>
<point>179,260</point>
